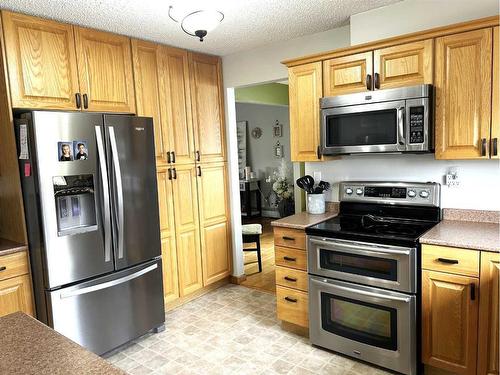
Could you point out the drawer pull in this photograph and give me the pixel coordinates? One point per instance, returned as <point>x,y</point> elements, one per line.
<point>286,238</point>
<point>287,278</point>
<point>3,268</point>
<point>290,259</point>
<point>472,292</point>
<point>447,261</point>
<point>293,300</point>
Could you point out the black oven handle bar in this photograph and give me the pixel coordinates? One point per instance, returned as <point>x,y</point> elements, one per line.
<point>366,293</point>
<point>353,245</point>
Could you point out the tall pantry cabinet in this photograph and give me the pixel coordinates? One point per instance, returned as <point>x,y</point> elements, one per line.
<point>183,93</point>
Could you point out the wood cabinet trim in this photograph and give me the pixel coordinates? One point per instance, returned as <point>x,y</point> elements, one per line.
<point>393,41</point>
<point>495,97</point>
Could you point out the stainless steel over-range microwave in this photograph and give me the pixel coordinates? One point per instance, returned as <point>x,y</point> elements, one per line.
<point>391,120</point>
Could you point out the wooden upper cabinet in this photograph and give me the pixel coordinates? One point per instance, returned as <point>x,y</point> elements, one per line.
<point>214,221</point>
<point>207,102</point>
<point>495,99</point>
<point>404,65</point>
<point>463,64</point>
<point>347,74</point>
<point>488,349</point>
<point>150,92</point>
<point>105,70</point>
<point>177,94</point>
<point>449,321</point>
<point>304,92</point>
<point>41,62</point>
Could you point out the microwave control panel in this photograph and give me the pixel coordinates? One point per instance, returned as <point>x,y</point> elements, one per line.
<point>417,124</point>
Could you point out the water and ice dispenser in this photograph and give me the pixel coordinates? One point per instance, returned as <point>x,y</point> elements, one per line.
<point>75,204</point>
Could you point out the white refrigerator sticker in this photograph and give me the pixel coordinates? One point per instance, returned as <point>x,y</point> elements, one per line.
<point>23,142</point>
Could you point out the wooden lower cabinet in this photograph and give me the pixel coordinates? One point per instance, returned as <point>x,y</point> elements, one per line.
<point>292,306</point>
<point>488,349</point>
<point>449,321</point>
<point>170,273</point>
<point>15,295</point>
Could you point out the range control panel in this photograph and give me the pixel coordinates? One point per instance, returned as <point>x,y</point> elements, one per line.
<point>423,194</point>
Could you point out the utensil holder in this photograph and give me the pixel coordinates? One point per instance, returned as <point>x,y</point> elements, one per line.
<point>316,203</point>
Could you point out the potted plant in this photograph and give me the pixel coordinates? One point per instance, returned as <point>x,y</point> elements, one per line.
<point>283,189</point>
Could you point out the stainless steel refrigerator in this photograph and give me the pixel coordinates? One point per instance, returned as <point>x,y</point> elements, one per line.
<point>90,198</point>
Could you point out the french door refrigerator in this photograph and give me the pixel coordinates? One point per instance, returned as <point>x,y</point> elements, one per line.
<point>91,205</point>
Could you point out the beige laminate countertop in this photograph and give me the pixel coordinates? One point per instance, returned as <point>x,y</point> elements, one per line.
<point>302,220</point>
<point>29,347</point>
<point>464,234</point>
<point>9,247</point>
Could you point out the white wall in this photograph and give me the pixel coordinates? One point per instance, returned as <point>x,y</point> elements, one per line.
<point>416,15</point>
<point>260,152</point>
<point>479,179</point>
<point>258,66</point>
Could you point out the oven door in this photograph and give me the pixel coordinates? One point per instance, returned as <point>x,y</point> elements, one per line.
<point>374,325</point>
<point>374,127</point>
<point>389,267</point>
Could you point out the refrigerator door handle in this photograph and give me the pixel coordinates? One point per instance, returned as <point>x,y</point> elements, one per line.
<point>108,284</point>
<point>105,187</point>
<point>119,188</point>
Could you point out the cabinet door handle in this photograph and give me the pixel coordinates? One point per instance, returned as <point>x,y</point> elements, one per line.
<point>85,101</point>
<point>318,152</point>
<point>174,173</point>
<point>173,156</point>
<point>376,80</point>
<point>369,82</point>
<point>494,146</point>
<point>78,99</point>
<point>286,238</point>
<point>472,291</point>
<point>289,259</point>
<point>198,155</point>
<point>292,279</point>
<point>169,173</point>
<point>169,159</point>
<point>447,261</point>
<point>199,171</point>
<point>293,300</point>
<point>3,268</point>
<point>483,147</point>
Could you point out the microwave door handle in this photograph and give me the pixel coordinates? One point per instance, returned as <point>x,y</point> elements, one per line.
<point>105,193</point>
<point>401,125</point>
<point>119,188</point>
<point>360,247</point>
<point>371,294</point>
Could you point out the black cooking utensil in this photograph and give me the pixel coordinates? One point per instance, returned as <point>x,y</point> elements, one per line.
<point>306,183</point>
<point>325,186</point>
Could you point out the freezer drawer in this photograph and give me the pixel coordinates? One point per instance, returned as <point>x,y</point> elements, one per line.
<point>109,311</point>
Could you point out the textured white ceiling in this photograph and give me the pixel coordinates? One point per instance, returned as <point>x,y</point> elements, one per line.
<point>247,23</point>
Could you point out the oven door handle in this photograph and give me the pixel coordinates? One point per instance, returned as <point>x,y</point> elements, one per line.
<point>370,294</point>
<point>360,247</point>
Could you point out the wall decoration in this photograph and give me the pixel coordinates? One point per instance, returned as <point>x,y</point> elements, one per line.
<point>277,129</point>
<point>278,150</point>
<point>256,132</point>
<point>241,135</point>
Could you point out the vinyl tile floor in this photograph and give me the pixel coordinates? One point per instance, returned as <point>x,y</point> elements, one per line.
<point>232,330</point>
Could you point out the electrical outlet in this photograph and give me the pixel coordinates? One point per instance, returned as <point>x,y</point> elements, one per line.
<point>452,179</point>
<point>317,176</point>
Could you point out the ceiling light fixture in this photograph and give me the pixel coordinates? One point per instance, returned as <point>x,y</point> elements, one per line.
<point>200,22</point>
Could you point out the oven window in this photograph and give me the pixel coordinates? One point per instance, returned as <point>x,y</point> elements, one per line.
<point>380,268</point>
<point>359,321</point>
<point>361,129</point>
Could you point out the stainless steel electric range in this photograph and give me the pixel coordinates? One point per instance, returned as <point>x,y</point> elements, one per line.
<point>364,287</point>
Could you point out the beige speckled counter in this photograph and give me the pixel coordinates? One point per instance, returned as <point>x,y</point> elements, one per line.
<point>9,247</point>
<point>464,234</point>
<point>302,220</point>
<point>29,347</point>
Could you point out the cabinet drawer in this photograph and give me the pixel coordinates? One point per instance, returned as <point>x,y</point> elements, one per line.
<point>15,264</point>
<point>291,258</point>
<point>291,278</point>
<point>292,306</point>
<point>290,237</point>
<point>451,260</point>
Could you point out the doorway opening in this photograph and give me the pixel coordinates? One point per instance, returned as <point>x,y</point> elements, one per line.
<point>266,175</point>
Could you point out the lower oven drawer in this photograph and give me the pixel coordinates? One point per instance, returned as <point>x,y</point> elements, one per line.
<point>371,324</point>
<point>292,306</point>
<point>291,278</point>
<point>287,257</point>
